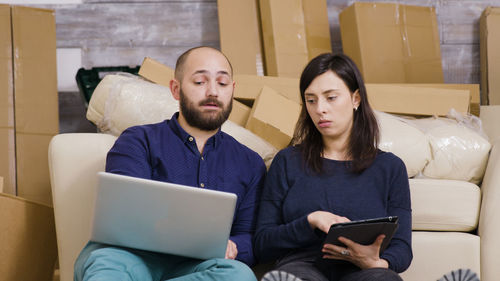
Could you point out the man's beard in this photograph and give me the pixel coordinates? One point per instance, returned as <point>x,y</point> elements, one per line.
<point>203,120</point>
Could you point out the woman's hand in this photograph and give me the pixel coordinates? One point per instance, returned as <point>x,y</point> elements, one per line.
<point>363,256</point>
<point>323,220</point>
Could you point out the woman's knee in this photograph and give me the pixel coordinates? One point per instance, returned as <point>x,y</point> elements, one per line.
<point>373,274</point>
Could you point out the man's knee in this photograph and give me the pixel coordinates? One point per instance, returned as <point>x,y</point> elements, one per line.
<point>233,270</point>
<point>112,264</point>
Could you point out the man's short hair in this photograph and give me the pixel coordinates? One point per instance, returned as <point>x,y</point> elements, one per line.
<point>179,65</point>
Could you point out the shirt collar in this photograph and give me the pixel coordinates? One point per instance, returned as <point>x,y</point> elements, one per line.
<point>213,141</point>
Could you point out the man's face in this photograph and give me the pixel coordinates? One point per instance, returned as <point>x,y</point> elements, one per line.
<point>206,120</point>
<point>206,89</point>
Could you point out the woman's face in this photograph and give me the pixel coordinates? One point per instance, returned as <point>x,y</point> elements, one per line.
<point>331,105</point>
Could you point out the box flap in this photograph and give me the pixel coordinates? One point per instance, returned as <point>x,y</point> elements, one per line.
<point>156,72</point>
<point>248,87</point>
<point>275,126</point>
<point>417,100</point>
<point>240,113</point>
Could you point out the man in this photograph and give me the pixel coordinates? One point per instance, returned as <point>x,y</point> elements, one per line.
<point>188,149</point>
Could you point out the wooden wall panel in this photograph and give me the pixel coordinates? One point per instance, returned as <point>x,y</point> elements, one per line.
<point>460,63</point>
<point>131,56</point>
<point>137,24</point>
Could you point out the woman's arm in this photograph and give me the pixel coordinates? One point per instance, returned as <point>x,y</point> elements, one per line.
<point>273,237</point>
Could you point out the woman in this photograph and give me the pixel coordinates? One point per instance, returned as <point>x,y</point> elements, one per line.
<point>333,173</point>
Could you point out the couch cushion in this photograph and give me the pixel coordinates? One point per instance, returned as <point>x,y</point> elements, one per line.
<point>444,205</point>
<point>437,253</point>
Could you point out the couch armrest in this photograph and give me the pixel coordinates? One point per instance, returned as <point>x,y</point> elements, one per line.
<point>489,219</point>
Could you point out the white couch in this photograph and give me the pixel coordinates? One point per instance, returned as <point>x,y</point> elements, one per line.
<point>446,213</point>
<point>456,223</point>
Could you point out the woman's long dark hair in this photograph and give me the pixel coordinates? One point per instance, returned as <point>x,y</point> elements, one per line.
<point>364,136</point>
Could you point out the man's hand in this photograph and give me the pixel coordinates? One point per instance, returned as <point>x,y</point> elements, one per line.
<point>363,256</point>
<point>231,250</point>
<point>323,220</point>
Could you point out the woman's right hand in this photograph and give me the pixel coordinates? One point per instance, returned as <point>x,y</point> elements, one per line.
<point>323,220</point>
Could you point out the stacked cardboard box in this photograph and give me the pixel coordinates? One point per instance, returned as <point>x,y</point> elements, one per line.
<point>240,35</point>
<point>489,30</point>
<point>294,31</point>
<point>7,139</point>
<point>28,99</point>
<point>395,43</point>
<point>288,33</point>
<point>392,43</point>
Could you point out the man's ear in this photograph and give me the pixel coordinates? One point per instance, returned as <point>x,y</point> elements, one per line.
<point>175,88</point>
<point>356,99</point>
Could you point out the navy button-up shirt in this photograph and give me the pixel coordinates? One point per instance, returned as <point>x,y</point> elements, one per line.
<point>166,152</point>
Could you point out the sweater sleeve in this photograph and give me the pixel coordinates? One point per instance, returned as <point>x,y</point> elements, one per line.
<point>399,253</point>
<point>274,237</point>
<point>243,227</point>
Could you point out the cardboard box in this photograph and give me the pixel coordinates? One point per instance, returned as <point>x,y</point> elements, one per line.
<point>416,100</point>
<point>490,115</point>
<point>33,181</point>
<point>31,74</point>
<point>8,159</point>
<point>156,72</point>
<point>392,43</point>
<point>293,31</point>
<point>28,243</point>
<point>7,145</point>
<point>472,88</point>
<point>317,27</point>
<point>248,87</point>
<point>274,126</point>
<point>240,35</point>
<point>489,33</point>
<point>240,113</point>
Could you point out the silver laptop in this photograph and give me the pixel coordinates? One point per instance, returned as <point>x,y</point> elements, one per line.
<point>162,217</point>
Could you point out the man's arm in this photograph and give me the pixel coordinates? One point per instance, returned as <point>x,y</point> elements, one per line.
<point>245,217</point>
<point>129,155</point>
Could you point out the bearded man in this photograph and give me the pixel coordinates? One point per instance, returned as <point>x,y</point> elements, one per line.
<point>188,149</point>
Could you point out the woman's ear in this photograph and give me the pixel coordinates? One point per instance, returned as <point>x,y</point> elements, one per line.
<point>356,99</point>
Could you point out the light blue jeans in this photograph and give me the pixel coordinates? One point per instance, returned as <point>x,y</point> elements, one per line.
<point>98,262</point>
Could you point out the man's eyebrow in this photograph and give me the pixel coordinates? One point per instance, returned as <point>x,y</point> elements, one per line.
<point>223,72</point>
<point>203,71</point>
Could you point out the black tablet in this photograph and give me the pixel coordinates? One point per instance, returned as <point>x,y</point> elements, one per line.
<point>363,231</point>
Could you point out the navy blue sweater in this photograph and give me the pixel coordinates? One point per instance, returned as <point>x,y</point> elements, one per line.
<point>290,194</point>
<point>165,152</point>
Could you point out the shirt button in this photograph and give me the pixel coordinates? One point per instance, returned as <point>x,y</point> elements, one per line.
<point>202,184</point>
<point>202,158</point>
<point>190,138</point>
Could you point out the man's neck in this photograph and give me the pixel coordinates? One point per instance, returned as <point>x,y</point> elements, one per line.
<point>200,136</point>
